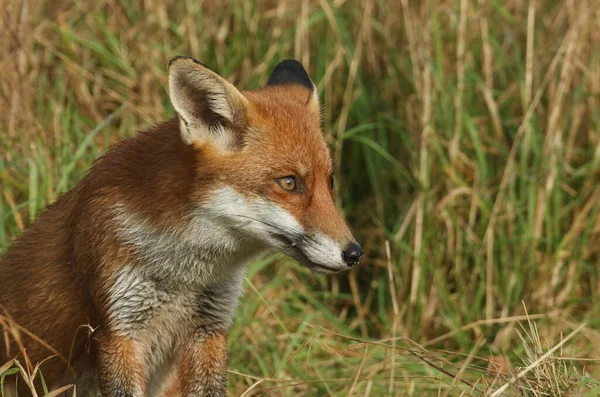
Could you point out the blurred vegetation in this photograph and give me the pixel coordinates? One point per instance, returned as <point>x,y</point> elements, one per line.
<point>467,138</point>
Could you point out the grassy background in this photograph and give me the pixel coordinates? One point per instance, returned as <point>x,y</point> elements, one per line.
<point>467,137</point>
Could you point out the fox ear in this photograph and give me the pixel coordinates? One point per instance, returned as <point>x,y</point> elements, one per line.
<point>208,106</point>
<point>291,72</point>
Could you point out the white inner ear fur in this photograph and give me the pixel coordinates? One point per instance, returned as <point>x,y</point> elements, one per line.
<point>189,85</point>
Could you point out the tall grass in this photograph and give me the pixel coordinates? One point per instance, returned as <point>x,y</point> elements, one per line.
<point>467,138</point>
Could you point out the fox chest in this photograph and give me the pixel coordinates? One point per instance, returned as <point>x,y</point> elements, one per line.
<point>160,316</point>
<point>137,300</point>
<point>180,281</point>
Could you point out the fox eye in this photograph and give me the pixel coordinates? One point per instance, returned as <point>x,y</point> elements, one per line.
<point>331,183</point>
<point>287,183</point>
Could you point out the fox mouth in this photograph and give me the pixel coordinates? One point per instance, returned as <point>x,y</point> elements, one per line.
<point>297,254</point>
<point>290,243</point>
<point>323,269</point>
<point>292,249</point>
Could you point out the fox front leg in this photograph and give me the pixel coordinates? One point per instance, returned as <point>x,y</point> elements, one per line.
<point>121,366</point>
<point>203,366</point>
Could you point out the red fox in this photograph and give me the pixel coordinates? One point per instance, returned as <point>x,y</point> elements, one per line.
<point>150,247</point>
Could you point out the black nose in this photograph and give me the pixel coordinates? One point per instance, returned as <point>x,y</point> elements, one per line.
<point>352,254</point>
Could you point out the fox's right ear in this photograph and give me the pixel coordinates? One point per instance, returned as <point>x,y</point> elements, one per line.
<point>208,106</point>
<point>291,72</point>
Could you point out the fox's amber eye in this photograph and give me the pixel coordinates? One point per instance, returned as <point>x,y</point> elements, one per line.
<point>287,183</point>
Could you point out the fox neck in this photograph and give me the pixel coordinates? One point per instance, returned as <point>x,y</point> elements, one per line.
<point>202,251</point>
<point>145,186</point>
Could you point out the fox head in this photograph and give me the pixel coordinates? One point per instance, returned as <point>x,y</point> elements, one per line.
<point>264,168</point>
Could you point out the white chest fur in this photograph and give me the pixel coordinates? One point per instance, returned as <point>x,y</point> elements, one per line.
<point>182,281</point>
<point>159,316</point>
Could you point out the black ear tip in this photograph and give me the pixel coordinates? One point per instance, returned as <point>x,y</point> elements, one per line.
<point>290,71</point>
<point>290,64</point>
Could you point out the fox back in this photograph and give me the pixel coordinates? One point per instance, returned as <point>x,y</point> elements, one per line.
<point>131,279</point>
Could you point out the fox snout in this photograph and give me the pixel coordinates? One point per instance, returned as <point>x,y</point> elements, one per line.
<point>322,254</point>
<point>330,247</point>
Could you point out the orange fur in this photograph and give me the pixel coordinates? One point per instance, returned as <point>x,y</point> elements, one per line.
<point>120,365</point>
<point>203,369</point>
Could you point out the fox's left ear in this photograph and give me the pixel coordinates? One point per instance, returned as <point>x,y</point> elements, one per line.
<point>291,73</point>
<point>209,107</point>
